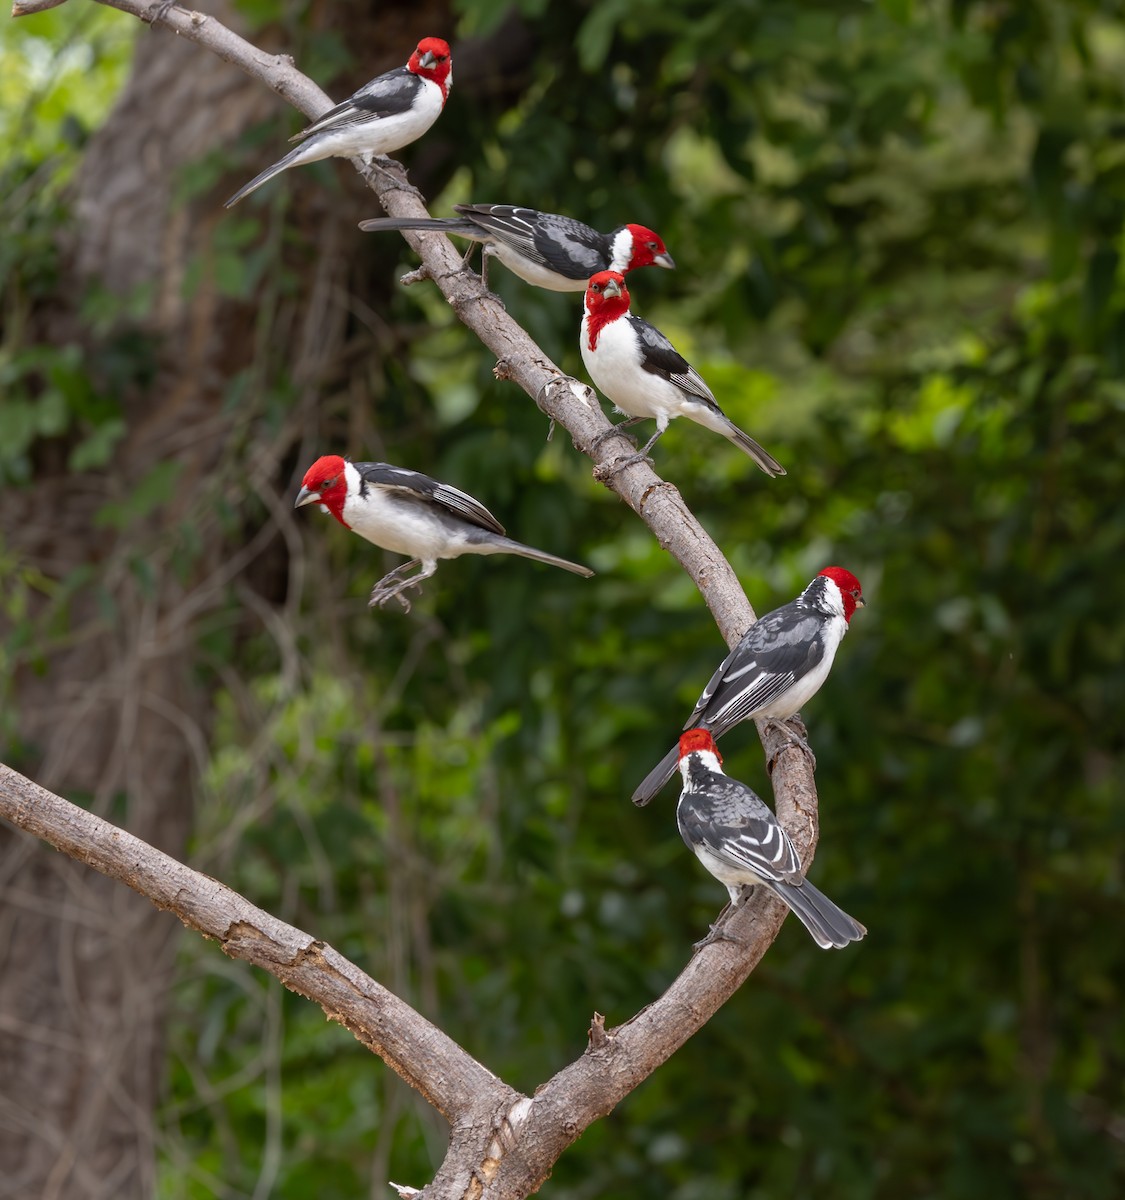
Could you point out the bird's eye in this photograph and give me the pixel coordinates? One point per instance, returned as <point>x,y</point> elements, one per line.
<point>650,245</point>
<point>328,483</point>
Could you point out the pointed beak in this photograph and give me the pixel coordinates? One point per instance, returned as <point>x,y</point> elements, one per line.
<point>428,59</point>
<point>664,260</point>
<point>860,602</point>
<point>305,496</point>
<point>612,288</point>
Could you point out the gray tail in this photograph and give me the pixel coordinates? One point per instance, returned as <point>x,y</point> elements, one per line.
<point>458,226</point>
<point>283,164</point>
<point>657,778</point>
<point>761,456</point>
<point>511,547</point>
<point>829,925</point>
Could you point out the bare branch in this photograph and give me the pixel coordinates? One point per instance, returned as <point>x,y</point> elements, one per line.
<point>449,1078</point>
<point>25,8</point>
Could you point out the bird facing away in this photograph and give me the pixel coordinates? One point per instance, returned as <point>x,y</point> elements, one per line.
<point>543,249</point>
<point>780,663</point>
<point>410,513</point>
<point>645,376</point>
<point>386,114</point>
<point>726,825</point>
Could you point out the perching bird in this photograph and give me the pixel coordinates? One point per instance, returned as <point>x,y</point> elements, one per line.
<point>780,663</point>
<point>543,249</point>
<point>644,375</point>
<point>386,114</point>
<point>410,513</point>
<point>735,836</point>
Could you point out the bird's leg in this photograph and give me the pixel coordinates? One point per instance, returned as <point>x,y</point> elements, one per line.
<point>792,736</point>
<point>614,431</point>
<point>603,473</point>
<point>160,11</point>
<point>392,586</point>
<point>716,931</point>
<point>385,166</point>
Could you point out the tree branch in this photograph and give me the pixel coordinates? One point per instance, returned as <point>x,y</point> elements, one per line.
<point>449,1078</point>
<point>502,1144</point>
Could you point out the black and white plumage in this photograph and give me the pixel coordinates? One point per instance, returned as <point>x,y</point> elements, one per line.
<point>386,114</point>
<point>780,663</point>
<point>544,249</point>
<point>407,512</point>
<point>645,376</point>
<point>738,839</point>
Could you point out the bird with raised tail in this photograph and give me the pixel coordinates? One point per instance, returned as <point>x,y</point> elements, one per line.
<point>390,112</point>
<point>733,833</point>
<point>780,663</point>
<point>645,376</point>
<point>543,249</point>
<point>410,513</point>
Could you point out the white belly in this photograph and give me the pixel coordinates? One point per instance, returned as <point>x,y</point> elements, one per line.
<point>379,135</point>
<point>617,373</point>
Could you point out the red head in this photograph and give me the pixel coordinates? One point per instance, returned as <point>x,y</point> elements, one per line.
<point>648,250</point>
<point>849,587</point>
<point>607,298</point>
<point>698,739</point>
<point>433,61</point>
<point>325,483</point>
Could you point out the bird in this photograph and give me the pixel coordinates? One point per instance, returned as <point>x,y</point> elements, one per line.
<point>544,249</point>
<point>644,375</point>
<point>409,513</point>
<point>779,664</point>
<point>390,112</point>
<point>732,832</point>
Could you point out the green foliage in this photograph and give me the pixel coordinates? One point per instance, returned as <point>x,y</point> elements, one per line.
<point>899,233</point>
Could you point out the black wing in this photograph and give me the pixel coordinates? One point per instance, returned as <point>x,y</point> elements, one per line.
<point>774,653</point>
<point>385,96</point>
<point>733,823</point>
<point>414,483</point>
<point>566,246</point>
<point>660,357</point>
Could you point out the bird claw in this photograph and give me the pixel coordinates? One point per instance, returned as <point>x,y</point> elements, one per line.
<point>792,737</point>
<point>715,934</point>
<point>613,431</point>
<point>604,471</point>
<point>393,587</point>
<point>395,174</point>
<point>161,11</point>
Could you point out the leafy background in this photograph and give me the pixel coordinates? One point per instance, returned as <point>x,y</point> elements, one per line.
<point>899,230</point>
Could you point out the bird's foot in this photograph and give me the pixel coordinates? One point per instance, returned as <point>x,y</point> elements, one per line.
<point>394,173</point>
<point>160,12</point>
<point>614,431</point>
<point>604,471</point>
<point>715,933</point>
<point>795,737</point>
<point>394,587</point>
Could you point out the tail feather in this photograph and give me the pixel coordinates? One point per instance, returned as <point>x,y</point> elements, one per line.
<point>457,226</point>
<point>759,454</point>
<point>508,546</point>
<point>292,159</point>
<point>656,778</point>
<point>830,926</point>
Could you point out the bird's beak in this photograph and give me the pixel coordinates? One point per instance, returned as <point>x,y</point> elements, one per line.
<point>860,602</point>
<point>428,59</point>
<point>665,260</point>
<point>612,288</point>
<point>305,496</point>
